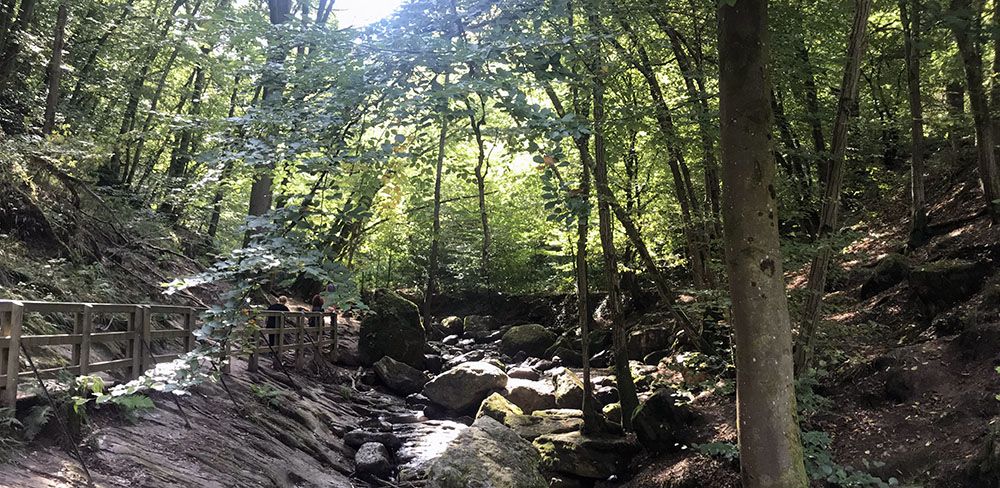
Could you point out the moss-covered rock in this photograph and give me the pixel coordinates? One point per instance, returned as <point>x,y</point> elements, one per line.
<point>659,423</point>
<point>596,457</point>
<point>533,426</point>
<point>487,454</point>
<point>533,339</point>
<point>480,326</point>
<point>391,329</point>
<point>498,408</point>
<point>941,284</point>
<point>400,377</point>
<point>568,389</point>
<point>453,325</point>
<point>463,387</point>
<point>613,412</point>
<point>891,269</point>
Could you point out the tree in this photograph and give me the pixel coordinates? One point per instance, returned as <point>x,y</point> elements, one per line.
<point>55,70</point>
<point>910,17</point>
<point>770,451</point>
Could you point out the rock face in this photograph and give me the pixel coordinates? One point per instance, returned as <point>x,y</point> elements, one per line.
<point>585,456</point>
<point>942,284</point>
<point>530,395</point>
<point>568,389</point>
<point>890,270</point>
<point>392,329</point>
<point>647,340</point>
<point>533,339</point>
<point>372,458</point>
<point>480,326</point>
<point>487,454</point>
<point>538,424</point>
<point>463,387</point>
<point>400,377</point>
<point>498,408</point>
<point>659,423</point>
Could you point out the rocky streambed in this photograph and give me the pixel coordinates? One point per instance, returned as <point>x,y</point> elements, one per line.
<point>488,404</point>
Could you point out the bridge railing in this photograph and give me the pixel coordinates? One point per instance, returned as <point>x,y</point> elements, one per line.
<point>295,331</point>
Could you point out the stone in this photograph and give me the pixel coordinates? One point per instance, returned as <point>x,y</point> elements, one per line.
<point>613,412</point>
<point>391,329</point>
<point>480,326</point>
<point>487,454</point>
<point>451,340</point>
<point>941,284</point>
<point>464,387</point>
<point>532,339</point>
<point>568,388</point>
<point>644,341</point>
<point>606,394</point>
<point>453,325</point>
<point>417,399</point>
<point>595,457</point>
<point>565,356</point>
<point>530,395</point>
<point>498,408</point>
<point>523,373</point>
<point>433,363</point>
<point>889,271</point>
<point>359,437</point>
<point>372,458</point>
<point>659,423</point>
<point>473,355</point>
<point>655,357</point>
<point>533,426</point>
<point>399,377</point>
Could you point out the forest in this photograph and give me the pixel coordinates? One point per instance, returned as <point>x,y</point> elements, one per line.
<point>564,243</point>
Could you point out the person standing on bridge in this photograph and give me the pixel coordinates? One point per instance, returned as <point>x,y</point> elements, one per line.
<point>272,321</point>
<point>317,306</point>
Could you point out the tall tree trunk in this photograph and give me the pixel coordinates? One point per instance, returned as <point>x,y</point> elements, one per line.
<point>911,43</point>
<point>55,70</point>
<point>955,102</point>
<point>591,418</point>
<point>186,148</point>
<point>12,48</point>
<point>482,167</point>
<point>261,192</point>
<point>626,386</point>
<point>828,221</point>
<point>972,59</point>
<point>213,220</point>
<point>770,451</point>
<point>432,261</point>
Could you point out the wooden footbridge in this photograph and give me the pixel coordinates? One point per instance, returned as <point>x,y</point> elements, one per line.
<point>138,327</point>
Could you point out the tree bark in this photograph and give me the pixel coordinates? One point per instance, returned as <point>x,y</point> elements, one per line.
<point>911,42</point>
<point>55,70</point>
<point>482,167</point>
<point>213,220</point>
<point>828,221</point>
<point>432,261</point>
<point>770,451</point>
<point>626,386</point>
<point>972,59</point>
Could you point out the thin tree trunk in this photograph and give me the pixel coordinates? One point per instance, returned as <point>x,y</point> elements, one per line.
<point>432,261</point>
<point>770,451</point>
<point>626,387</point>
<point>213,220</point>
<point>955,102</point>
<point>83,73</point>
<point>972,59</point>
<point>911,43</point>
<point>8,60</point>
<point>482,167</point>
<point>835,179</point>
<point>55,70</point>
<point>591,419</point>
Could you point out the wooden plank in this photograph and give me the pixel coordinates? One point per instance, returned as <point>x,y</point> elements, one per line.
<point>77,330</point>
<point>53,307</point>
<point>49,373</point>
<point>104,337</point>
<point>189,327</point>
<point>333,338</point>
<point>47,340</point>
<point>145,329</point>
<point>169,309</point>
<point>112,308</point>
<point>13,326</point>
<point>135,344</point>
<point>162,358</point>
<point>111,365</point>
<point>5,306</point>
<point>87,321</point>
<point>169,334</point>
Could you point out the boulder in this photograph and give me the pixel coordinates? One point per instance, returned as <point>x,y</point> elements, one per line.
<point>399,377</point>
<point>533,426</point>
<point>463,387</point>
<point>565,356</point>
<point>480,326</point>
<point>568,389</point>
<point>523,373</point>
<point>659,423</point>
<point>498,408</point>
<point>533,339</point>
<point>596,457</point>
<point>359,437</point>
<point>451,340</point>
<point>942,284</point>
<point>530,395</point>
<point>473,355</point>
<point>613,412</point>
<point>372,458</point>
<point>433,363</point>
<point>453,325</point>
<point>391,329</point>
<point>487,454</point>
<point>644,341</point>
<point>889,271</point>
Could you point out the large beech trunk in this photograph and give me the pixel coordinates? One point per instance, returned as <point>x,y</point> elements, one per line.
<point>770,451</point>
<point>828,220</point>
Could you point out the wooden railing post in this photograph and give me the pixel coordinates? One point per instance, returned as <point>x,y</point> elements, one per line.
<point>189,321</point>
<point>86,327</point>
<point>135,321</point>
<point>252,361</point>
<point>300,337</point>
<point>280,318</point>
<point>12,328</point>
<point>146,334</point>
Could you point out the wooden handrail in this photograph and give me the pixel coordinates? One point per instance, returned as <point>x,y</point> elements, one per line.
<point>306,332</point>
